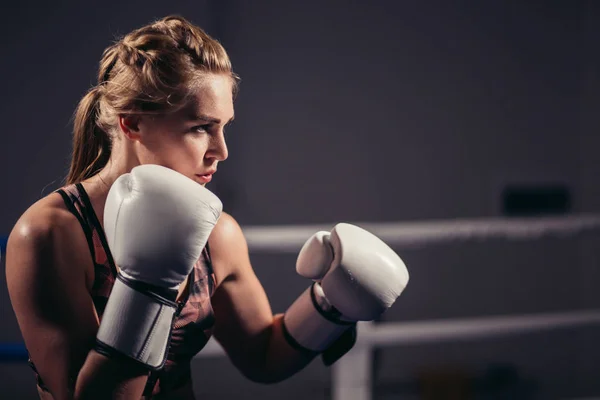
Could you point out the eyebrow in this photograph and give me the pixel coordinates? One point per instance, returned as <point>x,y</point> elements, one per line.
<point>195,117</point>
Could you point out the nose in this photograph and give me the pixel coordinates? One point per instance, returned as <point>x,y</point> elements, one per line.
<point>218,148</point>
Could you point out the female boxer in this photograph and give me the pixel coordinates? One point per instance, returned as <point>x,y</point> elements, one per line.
<point>120,277</point>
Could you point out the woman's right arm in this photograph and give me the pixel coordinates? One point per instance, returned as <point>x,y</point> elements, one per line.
<point>49,287</point>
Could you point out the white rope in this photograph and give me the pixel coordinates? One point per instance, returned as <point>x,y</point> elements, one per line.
<point>405,333</point>
<point>289,239</point>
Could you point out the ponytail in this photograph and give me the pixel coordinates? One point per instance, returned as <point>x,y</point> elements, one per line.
<point>91,144</point>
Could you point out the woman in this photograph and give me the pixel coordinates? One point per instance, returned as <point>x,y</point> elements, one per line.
<point>164,97</point>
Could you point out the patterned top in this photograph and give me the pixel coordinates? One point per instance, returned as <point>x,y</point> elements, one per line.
<point>193,326</point>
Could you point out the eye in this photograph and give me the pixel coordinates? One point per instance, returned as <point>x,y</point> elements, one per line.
<point>201,128</point>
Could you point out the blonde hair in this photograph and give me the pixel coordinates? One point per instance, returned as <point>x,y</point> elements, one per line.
<point>150,70</point>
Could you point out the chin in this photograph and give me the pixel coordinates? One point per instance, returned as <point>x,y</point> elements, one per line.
<point>198,180</point>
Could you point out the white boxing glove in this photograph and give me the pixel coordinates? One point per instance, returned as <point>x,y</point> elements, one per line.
<point>357,277</point>
<point>157,222</point>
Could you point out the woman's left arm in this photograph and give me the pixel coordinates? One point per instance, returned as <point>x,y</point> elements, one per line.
<point>245,326</point>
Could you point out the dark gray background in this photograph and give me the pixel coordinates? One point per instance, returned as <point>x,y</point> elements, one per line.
<point>361,111</point>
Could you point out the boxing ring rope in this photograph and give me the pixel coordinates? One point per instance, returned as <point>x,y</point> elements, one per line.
<point>405,235</point>
<point>351,375</point>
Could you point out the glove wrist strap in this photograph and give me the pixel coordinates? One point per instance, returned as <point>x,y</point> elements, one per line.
<point>137,323</point>
<point>309,325</point>
<point>325,308</point>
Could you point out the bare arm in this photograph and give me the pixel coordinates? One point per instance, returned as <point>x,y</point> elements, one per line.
<point>49,287</point>
<point>245,325</point>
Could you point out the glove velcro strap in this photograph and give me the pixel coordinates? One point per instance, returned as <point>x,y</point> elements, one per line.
<point>340,347</point>
<point>306,325</point>
<point>137,323</point>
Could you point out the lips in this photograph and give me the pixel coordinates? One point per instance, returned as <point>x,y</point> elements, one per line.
<point>206,177</point>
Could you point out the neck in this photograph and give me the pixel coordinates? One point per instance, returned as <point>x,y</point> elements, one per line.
<point>109,174</point>
<point>120,162</point>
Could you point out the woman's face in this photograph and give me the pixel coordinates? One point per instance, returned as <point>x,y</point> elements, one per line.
<point>190,141</point>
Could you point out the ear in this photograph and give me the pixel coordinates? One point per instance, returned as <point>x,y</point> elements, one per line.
<point>129,125</point>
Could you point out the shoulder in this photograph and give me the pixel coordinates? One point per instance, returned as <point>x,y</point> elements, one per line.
<point>227,230</point>
<point>41,221</point>
<point>44,232</point>
<point>228,247</point>
<point>38,223</point>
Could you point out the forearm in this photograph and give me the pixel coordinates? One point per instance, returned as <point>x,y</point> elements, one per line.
<point>103,378</point>
<point>306,333</point>
<point>282,360</point>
